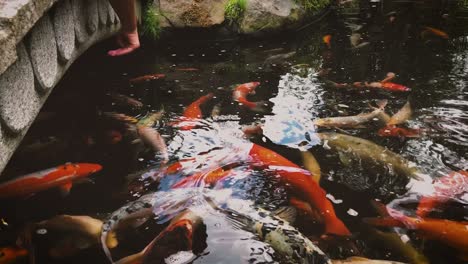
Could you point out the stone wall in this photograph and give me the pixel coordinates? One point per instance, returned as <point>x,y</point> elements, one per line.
<point>39,40</point>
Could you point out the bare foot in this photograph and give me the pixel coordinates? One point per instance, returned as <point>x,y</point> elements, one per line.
<point>128,42</point>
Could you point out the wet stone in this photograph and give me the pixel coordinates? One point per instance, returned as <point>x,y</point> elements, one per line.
<point>64,26</point>
<point>43,53</point>
<point>104,17</point>
<point>80,18</point>
<point>93,16</point>
<point>19,102</point>
<point>112,15</point>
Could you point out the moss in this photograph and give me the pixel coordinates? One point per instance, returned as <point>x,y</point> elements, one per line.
<point>151,26</point>
<point>313,5</point>
<point>235,9</point>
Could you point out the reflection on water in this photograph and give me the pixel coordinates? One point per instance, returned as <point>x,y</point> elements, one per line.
<point>225,179</point>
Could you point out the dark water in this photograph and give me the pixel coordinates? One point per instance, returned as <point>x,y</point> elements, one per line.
<point>290,67</point>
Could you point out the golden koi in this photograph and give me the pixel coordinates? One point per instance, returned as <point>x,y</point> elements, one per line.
<point>351,121</point>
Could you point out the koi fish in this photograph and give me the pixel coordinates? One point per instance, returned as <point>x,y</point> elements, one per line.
<point>449,232</point>
<point>394,131</point>
<point>275,229</point>
<point>240,95</point>
<point>61,176</point>
<point>153,139</point>
<point>9,255</point>
<point>351,121</point>
<point>151,119</point>
<point>395,87</point>
<point>180,235</point>
<point>447,187</point>
<point>126,101</point>
<point>146,78</point>
<point>327,40</point>
<point>435,32</point>
<point>193,112</point>
<point>389,86</point>
<point>204,178</point>
<point>401,116</point>
<point>393,242</point>
<point>301,182</point>
<point>311,164</point>
<point>365,150</point>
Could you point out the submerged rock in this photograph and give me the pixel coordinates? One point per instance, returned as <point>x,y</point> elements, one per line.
<point>192,13</point>
<point>271,15</point>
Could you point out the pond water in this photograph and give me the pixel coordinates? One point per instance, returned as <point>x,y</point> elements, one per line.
<point>220,179</point>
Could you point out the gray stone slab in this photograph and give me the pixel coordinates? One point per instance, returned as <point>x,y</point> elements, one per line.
<point>81,20</point>
<point>92,16</point>
<point>19,102</point>
<point>112,15</point>
<point>103,12</point>
<point>16,19</point>
<point>64,28</point>
<point>43,53</point>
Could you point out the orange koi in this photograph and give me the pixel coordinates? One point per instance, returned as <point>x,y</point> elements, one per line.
<point>146,78</point>
<point>447,187</point>
<point>61,176</point>
<point>394,87</point>
<point>9,255</point>
<point>203,178</point>
<point>394,131</point>
<point>193,111</point>
<point>327,40</point>
<point>301,181</point>
<point>449,232</point>
<point>435,31</point>
<point>240,95</point>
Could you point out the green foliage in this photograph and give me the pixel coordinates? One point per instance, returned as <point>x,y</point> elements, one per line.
<point>235,9</point>
<point>313,5</point>
<point>151,26</point>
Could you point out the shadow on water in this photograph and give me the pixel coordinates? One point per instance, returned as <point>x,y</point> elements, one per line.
<point>211,173</point>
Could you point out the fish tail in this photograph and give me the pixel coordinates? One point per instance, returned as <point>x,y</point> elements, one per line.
<point>382,103</point>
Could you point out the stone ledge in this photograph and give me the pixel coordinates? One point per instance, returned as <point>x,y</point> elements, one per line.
<point>17,17</point>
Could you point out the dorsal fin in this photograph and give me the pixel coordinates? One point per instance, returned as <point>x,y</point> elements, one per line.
<point>287,213</point>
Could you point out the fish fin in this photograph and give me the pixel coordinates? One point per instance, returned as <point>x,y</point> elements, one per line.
<point>383,221</point>
<point>382,103</point>
<point>287,213</point>
<point>239,221</point>
<point>65,188</point>
<point>111,240</point>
